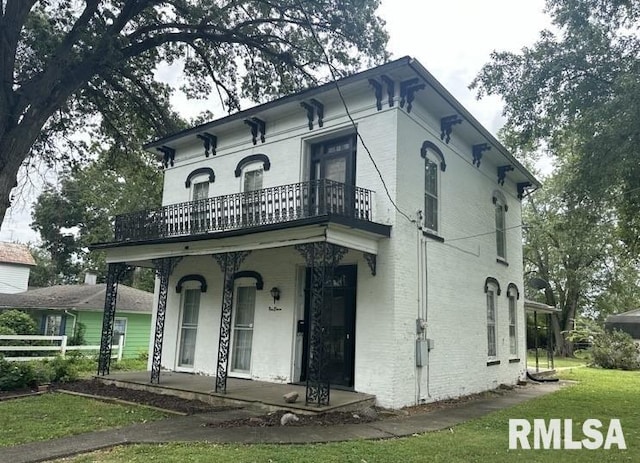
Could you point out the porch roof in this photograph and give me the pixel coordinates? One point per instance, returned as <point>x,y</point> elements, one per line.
<point>533,306</point>
<point>356,234</point>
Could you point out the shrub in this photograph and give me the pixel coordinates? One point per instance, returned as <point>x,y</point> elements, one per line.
<point>615,350</point>
<point>16,375</point>
<point>18,322</point>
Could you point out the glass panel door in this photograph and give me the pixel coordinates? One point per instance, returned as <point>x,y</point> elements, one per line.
<point>333,167</point>
<point>243,329</point>
<point>189,327</point>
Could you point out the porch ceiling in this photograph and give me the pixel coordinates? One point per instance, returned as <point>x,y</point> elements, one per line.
<point>335,232</point>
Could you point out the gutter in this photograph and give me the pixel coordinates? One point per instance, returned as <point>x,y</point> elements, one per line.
<point>430,80</point>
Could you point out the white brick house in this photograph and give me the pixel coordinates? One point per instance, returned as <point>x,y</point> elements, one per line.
<point>413,303</point>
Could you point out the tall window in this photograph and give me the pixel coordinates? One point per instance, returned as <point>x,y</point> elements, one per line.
<point>491,323</point>
<point>53,325</point>
<point>189,327</point>
<point>430,194</point>
<point>513,331</point>
<point>253,180</point>
<point>501,237</point>
<point>200,191</point>
<point>119,330</point>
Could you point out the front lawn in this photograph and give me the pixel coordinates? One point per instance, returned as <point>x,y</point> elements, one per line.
<point>53,415</point>
<point>601,394</point>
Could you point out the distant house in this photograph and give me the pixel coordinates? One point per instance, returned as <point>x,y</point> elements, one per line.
<point>59,310</point>
<point>629,322</point>
<point>15,263</point>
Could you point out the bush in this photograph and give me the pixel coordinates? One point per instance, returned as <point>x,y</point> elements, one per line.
<point>16,375</point>
<point>615,350</point>
<point>18,322</point>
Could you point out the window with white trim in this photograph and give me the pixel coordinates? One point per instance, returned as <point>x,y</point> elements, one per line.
<point>119,329</point>
<point>500,209</point>
<point>200,190</point>
<point>430,194</point>
<point>53,325</point>
<point>252,179</point>
<point>491,323</point>
<point>513,323</point>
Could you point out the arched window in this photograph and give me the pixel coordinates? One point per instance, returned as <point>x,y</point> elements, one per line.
<point>434,163</point>
<point>492,290</point>
<point>500,209</point>
<point>512,296</point>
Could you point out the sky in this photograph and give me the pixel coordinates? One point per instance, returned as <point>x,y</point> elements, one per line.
<point>451,38</point>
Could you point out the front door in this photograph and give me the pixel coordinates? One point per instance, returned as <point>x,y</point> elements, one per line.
<point>339,314</point>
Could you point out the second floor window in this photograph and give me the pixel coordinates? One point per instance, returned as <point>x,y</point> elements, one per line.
<point>430,195</point>
<point>200,191</point>
<point>501,236</point>
<point>252,180</point>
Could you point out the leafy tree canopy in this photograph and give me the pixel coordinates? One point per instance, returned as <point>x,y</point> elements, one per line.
<point>81,210</point>
<point>71,66</point>
<point>581,81</point>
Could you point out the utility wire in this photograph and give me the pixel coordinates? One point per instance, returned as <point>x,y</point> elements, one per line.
<point>334,79</point>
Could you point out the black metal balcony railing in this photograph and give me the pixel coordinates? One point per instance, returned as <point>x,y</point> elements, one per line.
<point>273,205</point>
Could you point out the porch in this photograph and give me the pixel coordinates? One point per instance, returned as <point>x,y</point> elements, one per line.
<point>241,392</point>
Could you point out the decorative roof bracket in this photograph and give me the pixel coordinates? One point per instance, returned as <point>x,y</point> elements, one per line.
<point>446,126</point>
<point>521,187</point>
<point>168,155</point>
<point>502,172</point>
<point>407,92</point>
<point>319,111</point>
<point>377,89</point>
<point>310,113</point>
<point>210,142</point>
<point>477,151</point>
<point>257,125</point>
<point>391,88</point>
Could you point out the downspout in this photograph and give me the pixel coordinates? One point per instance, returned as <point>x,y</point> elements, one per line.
<point>73,328</point>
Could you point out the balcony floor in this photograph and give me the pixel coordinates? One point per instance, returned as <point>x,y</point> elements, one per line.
<point>241,392</point>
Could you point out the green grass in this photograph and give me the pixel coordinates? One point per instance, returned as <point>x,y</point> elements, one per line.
<point>599,394</point>
<point>558,362</point>
<point>53,415</point>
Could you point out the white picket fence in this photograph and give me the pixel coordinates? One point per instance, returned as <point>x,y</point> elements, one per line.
<point>61,347</point>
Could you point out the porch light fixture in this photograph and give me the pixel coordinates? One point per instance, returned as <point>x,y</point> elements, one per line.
<point>275,294</point>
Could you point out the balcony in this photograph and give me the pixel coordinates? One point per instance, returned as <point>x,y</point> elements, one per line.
<point>285,204</point>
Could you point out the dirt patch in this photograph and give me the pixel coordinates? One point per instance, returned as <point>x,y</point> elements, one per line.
<point>166,402</point>
<point>274,419</point>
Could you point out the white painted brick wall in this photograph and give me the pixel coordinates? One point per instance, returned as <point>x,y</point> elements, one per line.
<point>388,303</point>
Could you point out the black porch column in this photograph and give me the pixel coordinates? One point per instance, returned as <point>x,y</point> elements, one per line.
<point>164,267</point>
<point>322,258</point>
<point>229,263</point>
<point>115,273</point>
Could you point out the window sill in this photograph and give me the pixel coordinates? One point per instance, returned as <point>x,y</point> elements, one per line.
<point>493,362</point>
<point>433,236</point>
<point>500,260</point>
<point>514,360</point>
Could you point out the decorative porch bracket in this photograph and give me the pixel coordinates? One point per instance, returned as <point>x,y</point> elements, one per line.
<point>322,258</point>
<point>115,274</point>
<point>229,263</point>
<point>371,262</point>
<point>164,267</point>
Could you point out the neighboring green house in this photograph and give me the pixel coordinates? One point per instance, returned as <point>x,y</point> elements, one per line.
<point>59,310</point>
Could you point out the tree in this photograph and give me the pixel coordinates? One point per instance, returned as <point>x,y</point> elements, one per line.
<point>82,209</point>
<point>581,81</point>
<point>571,242</point>
<point>64,62</point>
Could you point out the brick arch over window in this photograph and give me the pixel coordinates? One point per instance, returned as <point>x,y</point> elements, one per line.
<point>266,163</point>
<point>427,145</point>
<point>513,287</point>
<point>497,196</point>
<point>192,277</point>
<point>493,281</point>
<point>200,171</point>
<point>251,274</point>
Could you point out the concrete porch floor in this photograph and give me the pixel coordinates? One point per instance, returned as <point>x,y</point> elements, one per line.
<point>240,392</point>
